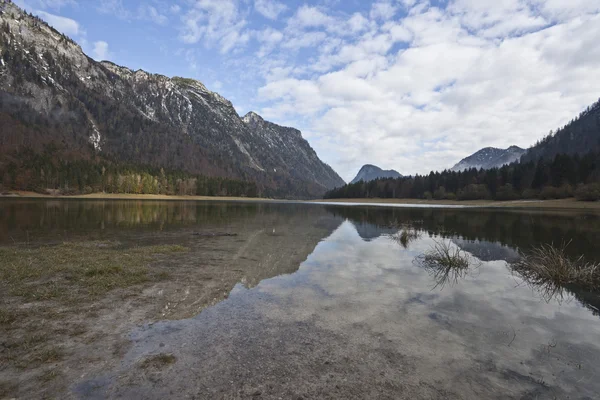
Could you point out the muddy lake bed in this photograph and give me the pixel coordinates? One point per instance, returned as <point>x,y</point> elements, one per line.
<point>207,300</point>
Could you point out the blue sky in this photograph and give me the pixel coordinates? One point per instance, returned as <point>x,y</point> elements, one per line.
<point>413,85</point>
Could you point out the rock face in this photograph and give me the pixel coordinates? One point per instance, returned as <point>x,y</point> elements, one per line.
<point>490,157</point>
<point>370,172</point>
<point>52,94</point>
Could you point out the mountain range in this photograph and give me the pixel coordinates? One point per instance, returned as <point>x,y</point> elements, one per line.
<point>54,96</point>
<point>489,157</point>
<point>370,172</point>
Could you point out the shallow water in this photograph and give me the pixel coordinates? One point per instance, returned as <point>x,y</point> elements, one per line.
<point>331,306</point>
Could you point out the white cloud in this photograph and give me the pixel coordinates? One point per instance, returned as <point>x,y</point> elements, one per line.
<point>100,51</point>
<point>64,25</point>
<point>419,93</point>
<point>150,13</point>
<point>114,7</point>
<point>54,4</point>
<point>216,22</point>
<point>384,10</point>
<point>269,8</point>
<point>310,17</point>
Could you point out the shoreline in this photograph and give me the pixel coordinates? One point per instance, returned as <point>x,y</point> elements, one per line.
<point>564,204</point>
<point>127,196</point>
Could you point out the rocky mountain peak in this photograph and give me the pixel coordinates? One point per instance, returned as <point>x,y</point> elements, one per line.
<point>96,109</point>
<point>489,157</point>
<point>253,118</point>
<point>369,172</point>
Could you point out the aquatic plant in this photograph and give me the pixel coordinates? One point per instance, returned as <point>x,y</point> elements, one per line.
<point>548,268</point>
<point>407,236</point>
<point>446,263</point>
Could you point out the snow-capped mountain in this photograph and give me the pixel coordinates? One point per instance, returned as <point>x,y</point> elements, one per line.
<point>52,94</point>
<point>490,157</point>
<point>370,172</point>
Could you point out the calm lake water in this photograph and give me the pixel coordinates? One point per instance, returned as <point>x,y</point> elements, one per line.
<point>332,305</point>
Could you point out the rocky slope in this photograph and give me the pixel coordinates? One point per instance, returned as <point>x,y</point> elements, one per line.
<point>489,157</point>
<point>370,172</point>
<point>52,93</point>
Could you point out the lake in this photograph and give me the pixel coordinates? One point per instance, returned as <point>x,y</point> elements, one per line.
<point>303,301</point>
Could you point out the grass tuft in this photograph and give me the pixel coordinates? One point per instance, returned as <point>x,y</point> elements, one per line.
<point>548,268</point>
<point>407,236</point>
<point>447,264</point>
<point>157,361</point>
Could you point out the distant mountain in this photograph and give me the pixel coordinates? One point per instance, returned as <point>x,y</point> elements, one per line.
<point>371,172</point>
<point>490,157</point>
<point>580,136</point>
<point>55,99</point>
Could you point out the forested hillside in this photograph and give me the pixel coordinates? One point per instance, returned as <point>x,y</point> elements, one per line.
<point>52,94</point>
<point>564,176</point>
<point>579,136</point>
<point>564,164</point>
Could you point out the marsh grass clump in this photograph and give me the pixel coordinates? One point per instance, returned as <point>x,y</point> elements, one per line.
<point>549,268</point>
<point>158,361</point>
<point>406,237</point>
<point>447,264</point>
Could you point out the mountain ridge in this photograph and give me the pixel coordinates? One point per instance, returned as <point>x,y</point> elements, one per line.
<point>489,157</point>
<point>369,172</point>
<point>51,92</point>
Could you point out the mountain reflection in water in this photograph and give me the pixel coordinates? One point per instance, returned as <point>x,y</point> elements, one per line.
<point>330,305</point>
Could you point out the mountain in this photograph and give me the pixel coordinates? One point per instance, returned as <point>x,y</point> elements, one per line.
<point>490,157</point>
<point>53,96</point>
<point>580,136</point>
<point>370,172</point>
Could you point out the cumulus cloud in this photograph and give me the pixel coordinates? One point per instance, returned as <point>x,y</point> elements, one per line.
<point>64,25</point>
<point>216,22</point>
<point>420,92</point>
<point>100,51</point>
<point>269,8</point>
<point>150,13</point>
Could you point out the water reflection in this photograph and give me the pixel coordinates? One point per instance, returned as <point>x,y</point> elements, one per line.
<point>359,319</point>
<point>324,302</point>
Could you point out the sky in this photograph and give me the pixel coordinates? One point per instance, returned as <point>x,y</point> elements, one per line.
<point>413,85</point>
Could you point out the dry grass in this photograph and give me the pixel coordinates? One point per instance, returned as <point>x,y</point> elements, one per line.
<point>446,263</point>
<point>75,272</point>
<point>158,361</point>
<point>549,269</point>
<point>407,236</point>
<point>44,291</point>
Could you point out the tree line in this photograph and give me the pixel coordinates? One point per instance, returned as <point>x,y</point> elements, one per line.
<point>42,173</point>
<point>563,176</point>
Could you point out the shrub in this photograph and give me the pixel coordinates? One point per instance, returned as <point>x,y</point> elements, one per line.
<point>530,194</point>
<point>440,193</point>
<point>506,192</point>
<point>427,195</point>
<point>590,192</point>
<point>551,192</point>
<point>474,192</point>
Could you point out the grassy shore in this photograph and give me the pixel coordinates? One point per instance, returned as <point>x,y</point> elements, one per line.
<point>124,196</point>
<point>565,204</point>
<point>543,204</point>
